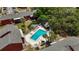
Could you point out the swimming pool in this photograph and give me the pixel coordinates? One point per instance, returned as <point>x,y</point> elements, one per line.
<point>39,33</point>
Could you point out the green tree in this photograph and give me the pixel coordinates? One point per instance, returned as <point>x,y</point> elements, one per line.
<point>61,19</point>
<point>42,19</point>
<point>52,36</point>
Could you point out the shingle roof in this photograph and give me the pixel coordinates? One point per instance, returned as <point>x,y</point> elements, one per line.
<point>64,45</point>
<point>10,16</point>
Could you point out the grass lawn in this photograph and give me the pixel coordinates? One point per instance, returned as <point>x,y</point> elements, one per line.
<point>21,26</point>
<point>24,26</point>
<point>27,23</point>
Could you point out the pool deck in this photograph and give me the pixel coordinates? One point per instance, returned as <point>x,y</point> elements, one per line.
<point>32,42</point>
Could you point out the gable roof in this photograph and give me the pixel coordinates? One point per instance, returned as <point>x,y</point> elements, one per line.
<point>9,34</point>
<point>64,45</point>
<point>10,16</point>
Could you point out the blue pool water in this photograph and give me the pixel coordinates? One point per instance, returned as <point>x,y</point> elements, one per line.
<point>39,33</point>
